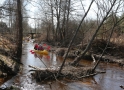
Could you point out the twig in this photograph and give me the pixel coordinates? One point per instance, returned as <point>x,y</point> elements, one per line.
<point>35,67</point>
<point>93,58</point>
<point>87,75</point>
<point>43,62</point>
<point>59,81</point>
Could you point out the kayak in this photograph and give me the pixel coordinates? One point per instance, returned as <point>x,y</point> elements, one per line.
<point>44,52</point>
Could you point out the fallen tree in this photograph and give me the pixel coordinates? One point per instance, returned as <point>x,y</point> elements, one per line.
<point>68,71</point>
<point>8,66</point>
<point>110,59</point>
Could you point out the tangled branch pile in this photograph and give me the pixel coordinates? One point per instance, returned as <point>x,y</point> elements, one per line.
<point>70,72</point>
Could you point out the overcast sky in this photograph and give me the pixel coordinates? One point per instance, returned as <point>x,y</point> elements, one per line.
<point>1,2</point>
<point>32,8</point>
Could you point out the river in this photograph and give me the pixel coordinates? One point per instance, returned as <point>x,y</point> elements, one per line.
<point>111,80</point>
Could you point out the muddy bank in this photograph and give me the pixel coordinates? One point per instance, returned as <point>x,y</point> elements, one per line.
<point>9,64</point>
<point>113,53</point>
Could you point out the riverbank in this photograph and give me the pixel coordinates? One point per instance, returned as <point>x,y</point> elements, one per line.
<point>114,53</point>
<point>113,75</point>
<point>8,63</point>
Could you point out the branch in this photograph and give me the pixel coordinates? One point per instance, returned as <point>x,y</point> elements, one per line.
<point>75,36</point>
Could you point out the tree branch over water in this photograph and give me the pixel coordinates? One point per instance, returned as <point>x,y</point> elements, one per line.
<point>75,35</point>
<point>77,59</point>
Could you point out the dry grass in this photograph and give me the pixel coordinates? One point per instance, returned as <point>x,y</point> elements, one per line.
<point>118,40</point>
<point>6,44</point>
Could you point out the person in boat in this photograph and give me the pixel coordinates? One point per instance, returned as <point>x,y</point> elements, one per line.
<point>36,46</point>
<point>40,47</point>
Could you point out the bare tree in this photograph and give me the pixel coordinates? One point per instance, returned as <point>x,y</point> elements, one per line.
<point>77,59</point>
<point>75,36</point>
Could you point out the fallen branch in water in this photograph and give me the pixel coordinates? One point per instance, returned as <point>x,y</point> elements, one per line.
<point>68,71</point>
<point>87,75</point>
<point>59,81</point>
<point>94,60</point>
<point>37,68</point>
<point>122,87</point>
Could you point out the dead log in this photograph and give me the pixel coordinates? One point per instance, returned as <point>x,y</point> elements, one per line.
<point>87,75</point>
<point>122,87</point>
<point>41,75</point>
<point>68,71</point>
<point>8,65</point>
<point>110,59</point>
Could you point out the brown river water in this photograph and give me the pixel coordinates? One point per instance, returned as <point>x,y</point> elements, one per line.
<point>111,80</point>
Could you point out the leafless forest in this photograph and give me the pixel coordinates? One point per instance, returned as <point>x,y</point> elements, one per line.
<point>62,23</point>
<point>58,21</point>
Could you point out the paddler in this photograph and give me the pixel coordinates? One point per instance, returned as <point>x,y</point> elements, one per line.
<point>36,46</point>
<point>40,47</point>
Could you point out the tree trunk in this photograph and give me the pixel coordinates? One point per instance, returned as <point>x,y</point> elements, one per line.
<point>19,30</point>
<point>53,33</point>
<point>68,13</point>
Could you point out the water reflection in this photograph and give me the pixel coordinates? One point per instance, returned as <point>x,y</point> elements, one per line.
<point>111,80</point>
